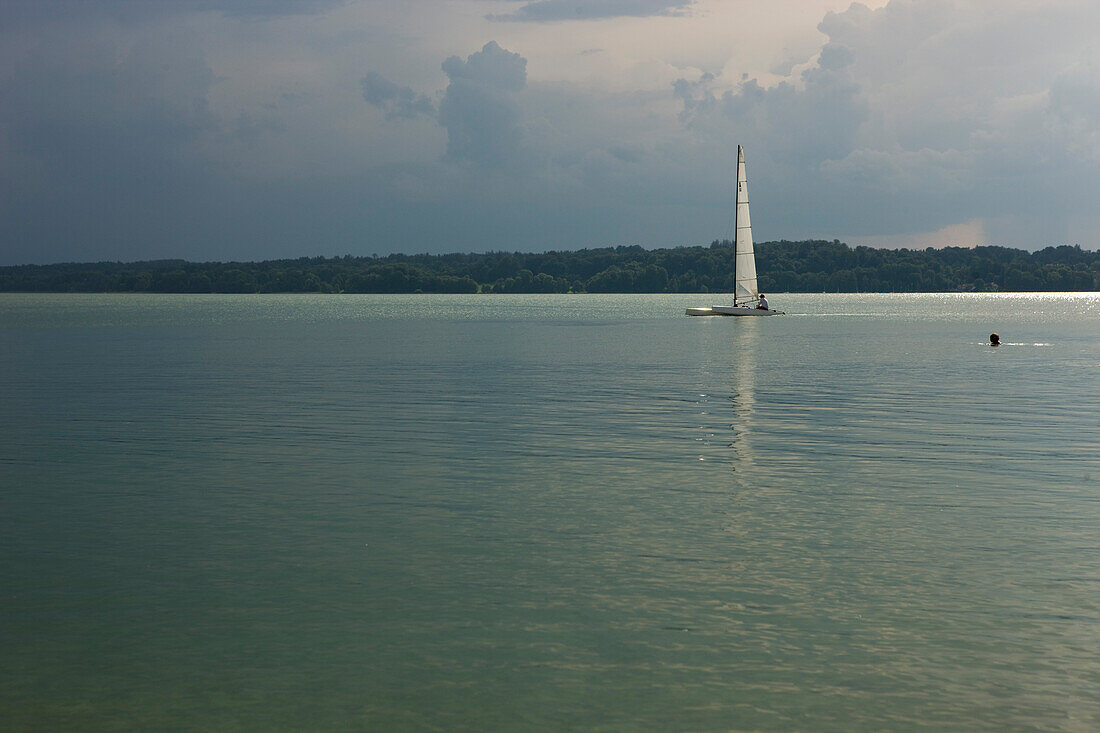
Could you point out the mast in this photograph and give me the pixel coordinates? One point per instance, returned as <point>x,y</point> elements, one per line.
<point>744,261</point>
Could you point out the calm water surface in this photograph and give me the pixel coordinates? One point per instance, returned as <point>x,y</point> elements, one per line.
<point>549,512</point>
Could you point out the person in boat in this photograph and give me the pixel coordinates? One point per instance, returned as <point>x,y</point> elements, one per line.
<point>994,340</point>
<point>763,304</point>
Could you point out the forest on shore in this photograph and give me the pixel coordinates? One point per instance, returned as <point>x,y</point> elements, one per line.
<point>798,267</point>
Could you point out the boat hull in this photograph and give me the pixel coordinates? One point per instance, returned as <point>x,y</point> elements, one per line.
<point>732,310</point>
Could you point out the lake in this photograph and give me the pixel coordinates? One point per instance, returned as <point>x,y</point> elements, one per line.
<point>547,512</point>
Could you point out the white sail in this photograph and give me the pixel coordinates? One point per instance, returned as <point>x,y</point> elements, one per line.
<point>744,261</point>
<point>746,297</point>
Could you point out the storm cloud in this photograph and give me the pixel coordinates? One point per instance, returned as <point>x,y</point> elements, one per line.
<point>100,148</point>
<point>545,11</point>
<point>396,101</point>
<point>479,108</point>
<point>234,130</point>
<point>36,11</point>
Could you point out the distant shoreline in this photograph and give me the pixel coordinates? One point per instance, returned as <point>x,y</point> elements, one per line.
<point>813,266</point>
<point>490,296</point>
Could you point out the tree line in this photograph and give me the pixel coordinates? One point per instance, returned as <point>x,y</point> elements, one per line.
<point>801,267</point>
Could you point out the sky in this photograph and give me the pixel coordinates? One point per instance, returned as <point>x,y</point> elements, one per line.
<point>263,129</point>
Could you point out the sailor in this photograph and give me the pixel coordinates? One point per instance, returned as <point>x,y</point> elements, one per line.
<point>763,304</point>
<point>994,340</point>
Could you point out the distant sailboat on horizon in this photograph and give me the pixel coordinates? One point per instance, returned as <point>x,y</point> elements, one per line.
<point>746,296</point>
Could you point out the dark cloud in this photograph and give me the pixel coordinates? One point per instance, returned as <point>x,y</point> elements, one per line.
<point>970,118</point>
<point>100,152</point>
<point>21,12</point>
<point>261,7</point>
<point>545,11</point>
<point>219,136</point>
<point>817,120</point>
<point>492,66</point>
<point>397,102</point>
<point>1074,109</point>
<point>479,108</point>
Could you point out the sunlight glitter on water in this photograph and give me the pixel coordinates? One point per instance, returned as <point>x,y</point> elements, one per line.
<point>397,512</point>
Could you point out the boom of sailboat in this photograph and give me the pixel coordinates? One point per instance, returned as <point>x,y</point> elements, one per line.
<point>746,295</point>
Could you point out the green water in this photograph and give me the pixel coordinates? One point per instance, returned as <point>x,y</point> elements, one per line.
<point>549,512</point>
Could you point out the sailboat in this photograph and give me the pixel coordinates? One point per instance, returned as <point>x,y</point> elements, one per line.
<point>746,297</point>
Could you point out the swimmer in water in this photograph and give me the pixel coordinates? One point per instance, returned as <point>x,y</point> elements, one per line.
<point>994,340</point>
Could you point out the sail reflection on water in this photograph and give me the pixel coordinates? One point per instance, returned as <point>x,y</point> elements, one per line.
<point>742,384</point>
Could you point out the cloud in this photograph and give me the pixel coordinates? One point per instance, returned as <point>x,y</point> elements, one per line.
<point>479,109</point>
<point>801,123</point>
<point>398,102</point>
<point>204,133</point>
<point>260,7</point>
<point>545,11</point>
<point>970,117</point>
<point>38,11</point>
<point>98,146</point>
<point>1073,111</point>
<point>921,116</point>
